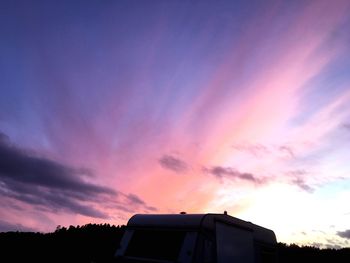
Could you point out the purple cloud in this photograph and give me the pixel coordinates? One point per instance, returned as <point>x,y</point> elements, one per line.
<point>173,163</point>
<point>220,172</point>
<point>301,184</point>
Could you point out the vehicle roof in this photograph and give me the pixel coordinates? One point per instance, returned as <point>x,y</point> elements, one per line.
<point>197,221</point>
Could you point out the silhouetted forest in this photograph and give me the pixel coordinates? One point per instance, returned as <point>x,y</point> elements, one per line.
<point>98,243</point>
<point>88,243</point>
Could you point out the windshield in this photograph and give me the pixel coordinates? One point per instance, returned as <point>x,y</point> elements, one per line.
<point>155,244</point>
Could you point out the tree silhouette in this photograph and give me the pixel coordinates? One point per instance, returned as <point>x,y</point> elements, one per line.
<point>88,243</point>
<point>98,242</point>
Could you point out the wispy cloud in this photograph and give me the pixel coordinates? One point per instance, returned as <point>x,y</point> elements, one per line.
<point>301,183</point>
<point>287,150</point>
<point>256,150</point>
<point>260,150</point>
<point>220,172</point>
<point>173,163</point>
<point>135,200</point>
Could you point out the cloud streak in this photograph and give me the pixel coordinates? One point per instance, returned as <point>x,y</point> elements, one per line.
<point>229,172</point>
<point>260,150</point>
<point>173,163</point>
<point>301,184</point>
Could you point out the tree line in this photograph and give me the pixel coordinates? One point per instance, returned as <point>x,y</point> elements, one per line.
<point>98,242</point>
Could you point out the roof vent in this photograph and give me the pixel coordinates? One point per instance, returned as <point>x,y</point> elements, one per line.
<point>225,212</point>
<point>182,213</point>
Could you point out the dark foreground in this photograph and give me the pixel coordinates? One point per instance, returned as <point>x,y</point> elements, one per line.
<point>98,243</point>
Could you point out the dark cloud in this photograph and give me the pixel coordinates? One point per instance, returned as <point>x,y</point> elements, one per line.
<point>173,163</point>
<point>52,186</point>
<point>151,208</point>
<point>344,234</point>
<point>301,184</point>
<point>3,138</point>
<point>7,226</point>
<point>135,199</point>
<point>221,172</point>
<point>296,178</point>
<point>18,166</point>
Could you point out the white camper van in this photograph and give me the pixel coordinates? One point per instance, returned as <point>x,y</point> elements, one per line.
<point>195,238</point>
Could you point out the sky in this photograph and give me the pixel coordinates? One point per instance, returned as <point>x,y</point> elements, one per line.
<point>111,108</point>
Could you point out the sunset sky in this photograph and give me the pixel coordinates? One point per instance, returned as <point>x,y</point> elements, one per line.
<point>110,108</point>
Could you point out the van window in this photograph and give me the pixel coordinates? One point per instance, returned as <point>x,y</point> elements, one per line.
<point>155,244</point>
